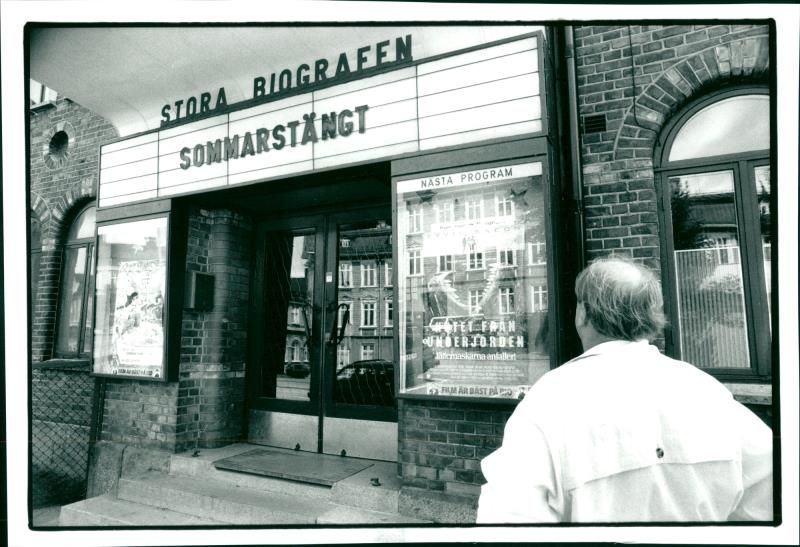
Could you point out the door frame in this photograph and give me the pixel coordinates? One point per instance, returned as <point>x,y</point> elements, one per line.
<point>343,410</point>
<point>322,355</point>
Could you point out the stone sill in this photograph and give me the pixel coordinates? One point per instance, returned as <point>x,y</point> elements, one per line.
<point>751,394</point>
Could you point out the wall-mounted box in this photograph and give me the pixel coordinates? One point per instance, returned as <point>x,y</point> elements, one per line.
<point>199,292</point>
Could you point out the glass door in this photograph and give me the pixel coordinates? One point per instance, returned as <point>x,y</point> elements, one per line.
<point>322,336</point>
<point>359,363</point>
<point>285,335</point>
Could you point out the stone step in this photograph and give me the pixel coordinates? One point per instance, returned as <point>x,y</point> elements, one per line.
<point>202,466</point>
<point>376,488</point>
<point>343,514</point>
<point>107,510</point>
<point>219,500</point>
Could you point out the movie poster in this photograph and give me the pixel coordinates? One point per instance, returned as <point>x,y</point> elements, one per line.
<point>473,283</point>
<point>138,331</point>
<point>130,299</point>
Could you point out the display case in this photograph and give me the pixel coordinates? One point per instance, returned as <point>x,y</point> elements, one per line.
<point>472,274</point>
<point>131,331</point>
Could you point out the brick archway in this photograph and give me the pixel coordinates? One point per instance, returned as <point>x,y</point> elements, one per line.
<point>741,61</point>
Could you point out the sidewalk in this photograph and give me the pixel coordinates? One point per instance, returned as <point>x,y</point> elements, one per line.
<point>46,516</point>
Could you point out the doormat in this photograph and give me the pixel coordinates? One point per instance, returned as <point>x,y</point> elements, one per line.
<point>297,466</point>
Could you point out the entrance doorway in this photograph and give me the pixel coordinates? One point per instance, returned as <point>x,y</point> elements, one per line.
<point>321,376</point>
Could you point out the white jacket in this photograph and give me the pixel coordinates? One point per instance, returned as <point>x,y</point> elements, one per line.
<point>623,433</point>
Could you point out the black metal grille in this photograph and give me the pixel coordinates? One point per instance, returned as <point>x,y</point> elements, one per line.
<point>594,124</point>
<point>62,400</point>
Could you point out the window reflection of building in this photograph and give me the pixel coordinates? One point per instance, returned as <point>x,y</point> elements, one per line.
<point>368,274</point>
<point>389,318</point>
<point>414,220</point>
<point>369,329</point>
<point>414,262</point>
<point>368,314</point>
<point>345,275</point>
<point>506,300</point>
<point>367,351</point>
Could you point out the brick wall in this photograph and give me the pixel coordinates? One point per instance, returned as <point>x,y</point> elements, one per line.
<point>140,413</point>
<point>213,343</point>
<point>443,442</point>
<point>205,408</point>
<point>671,65</point>
<point>57,192</point>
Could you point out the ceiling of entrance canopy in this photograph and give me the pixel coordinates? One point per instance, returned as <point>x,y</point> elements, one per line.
<point>127,74</point>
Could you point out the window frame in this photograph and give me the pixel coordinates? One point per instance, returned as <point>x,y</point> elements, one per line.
<point>387,272</point>
<point>89,265</point>
<point>364,346</point>
<point>368,273</point>
<point>345,266</point>
<point>373,312</point>
<point>415,219</point>
<point>388,310</point>
<point>742,166</point>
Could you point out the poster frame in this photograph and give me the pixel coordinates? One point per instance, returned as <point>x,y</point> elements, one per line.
<point>455,163</point>
<point>173,294</point>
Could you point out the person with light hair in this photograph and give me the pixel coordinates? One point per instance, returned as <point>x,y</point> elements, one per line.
<point>623,433</point>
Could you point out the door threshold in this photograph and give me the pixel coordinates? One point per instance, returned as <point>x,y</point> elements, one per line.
<point>294,465</point>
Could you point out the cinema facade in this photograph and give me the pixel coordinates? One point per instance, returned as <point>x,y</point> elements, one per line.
<point>377,260</point>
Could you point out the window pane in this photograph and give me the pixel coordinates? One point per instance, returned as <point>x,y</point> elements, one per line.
<point>288,283</point>
<point>708,271</point>
<point>729,126</point>
<point>761,176</point>
<point>468,326</point>
<point>83,226</point>
<point>87,325</point>
<point>365,355</point>
<point>71,302</point>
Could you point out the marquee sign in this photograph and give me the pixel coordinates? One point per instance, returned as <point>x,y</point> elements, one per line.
<point>480,94</point>
<point>304,75</point>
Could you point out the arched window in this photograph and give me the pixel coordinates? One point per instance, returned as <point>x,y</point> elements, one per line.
<point>74,325</point>
<point>714,175</point>
<point>35,254</point>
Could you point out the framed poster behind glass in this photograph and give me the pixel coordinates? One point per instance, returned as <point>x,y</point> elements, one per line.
<point>131,280</point>
<point>472,271</point>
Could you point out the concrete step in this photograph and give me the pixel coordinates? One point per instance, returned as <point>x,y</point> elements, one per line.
<point>376,488</point>
<point>219,500</point>
<point>343,514</point>
<point>202,466</point>
<point>109,511</point>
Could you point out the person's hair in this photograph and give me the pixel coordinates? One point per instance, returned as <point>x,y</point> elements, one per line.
<point>622,299</point>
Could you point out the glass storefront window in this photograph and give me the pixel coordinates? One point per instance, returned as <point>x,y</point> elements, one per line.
<point>131,280</point>
<point>472,299</point>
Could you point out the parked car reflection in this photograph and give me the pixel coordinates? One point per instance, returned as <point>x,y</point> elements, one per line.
<point>369,382</point>
<point>297,369</point>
